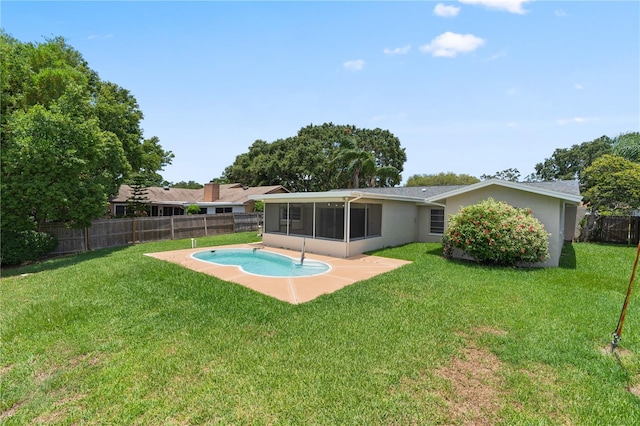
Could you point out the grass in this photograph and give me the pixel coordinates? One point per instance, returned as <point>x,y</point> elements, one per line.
<point>115,337</point>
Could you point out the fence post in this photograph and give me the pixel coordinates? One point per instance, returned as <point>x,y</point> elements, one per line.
<point>172,229</point>
<point>87,238</point>
<point>205,225</point>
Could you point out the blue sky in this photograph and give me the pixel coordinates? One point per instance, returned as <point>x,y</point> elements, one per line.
<point>473,86</point>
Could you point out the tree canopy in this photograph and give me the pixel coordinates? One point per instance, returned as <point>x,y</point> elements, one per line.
<point>69,139</point>
<point>627,145</point>
<point>568,163</point>
<point>187,185</point>
<point>612,183</point>
<point>511,174</point>
<point>442,178</point>
<point>320,158</point>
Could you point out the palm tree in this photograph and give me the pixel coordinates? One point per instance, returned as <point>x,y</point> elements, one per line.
<point>354,162</point>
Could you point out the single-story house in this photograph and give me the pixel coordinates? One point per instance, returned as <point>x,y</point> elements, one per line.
<point>214,198</point>
<point>343,223</point>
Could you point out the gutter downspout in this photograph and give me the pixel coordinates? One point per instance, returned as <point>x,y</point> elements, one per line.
<point>347,224</point>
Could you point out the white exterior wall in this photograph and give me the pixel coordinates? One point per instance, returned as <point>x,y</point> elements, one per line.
<point>424,226</point>
<point>549,211</point>
<point>399,224</point>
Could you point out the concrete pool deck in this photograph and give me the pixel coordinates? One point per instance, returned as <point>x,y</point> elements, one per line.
<point>295,289</point>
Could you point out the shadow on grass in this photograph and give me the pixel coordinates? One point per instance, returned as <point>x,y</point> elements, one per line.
<point>58,262</point>
<point>568,257</point>
<point>435,251</point>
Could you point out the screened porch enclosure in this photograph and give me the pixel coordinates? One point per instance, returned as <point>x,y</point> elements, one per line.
<point>324,220</point>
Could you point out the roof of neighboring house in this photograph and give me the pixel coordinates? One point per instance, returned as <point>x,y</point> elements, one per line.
<point>236,193</point>
<point>232,193</point>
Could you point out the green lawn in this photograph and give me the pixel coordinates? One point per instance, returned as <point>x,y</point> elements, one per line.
<point>115,337</point>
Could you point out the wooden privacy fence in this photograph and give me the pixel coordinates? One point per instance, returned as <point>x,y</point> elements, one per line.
<point>613,229</point>
<point>121,232</point>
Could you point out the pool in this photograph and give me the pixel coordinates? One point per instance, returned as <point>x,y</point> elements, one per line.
<point>259,262</point>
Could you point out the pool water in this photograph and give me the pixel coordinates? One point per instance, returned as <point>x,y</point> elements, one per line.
<point>260,262</point>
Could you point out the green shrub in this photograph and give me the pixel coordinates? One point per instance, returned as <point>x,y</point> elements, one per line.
<point>495,232</point>
<point>22,246</point>
<point>193,209</point>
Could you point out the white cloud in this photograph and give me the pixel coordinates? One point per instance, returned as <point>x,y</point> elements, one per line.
<point>512,6</point>
<point>445,11</point>
<point>578,86</point>
<point>559,13</point>
<point>498,55</point>
<point>576,120</point>
<point>356,65</point>
<point>398,50</point>
<point>450,44</point>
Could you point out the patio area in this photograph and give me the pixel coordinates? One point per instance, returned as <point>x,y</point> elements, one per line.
<point>292,290</point>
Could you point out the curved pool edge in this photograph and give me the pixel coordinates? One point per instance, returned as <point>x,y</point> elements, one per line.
<point>292,290</point>
<point>295,261</point>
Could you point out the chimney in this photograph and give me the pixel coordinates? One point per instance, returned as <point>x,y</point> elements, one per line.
<point>211,192</point>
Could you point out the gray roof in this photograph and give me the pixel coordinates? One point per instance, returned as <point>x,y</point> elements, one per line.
<point>570,187</point>
<point>413,191</point>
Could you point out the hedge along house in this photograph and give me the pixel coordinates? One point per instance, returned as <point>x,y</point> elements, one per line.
<point>344,223</point>
<point>213,198</point>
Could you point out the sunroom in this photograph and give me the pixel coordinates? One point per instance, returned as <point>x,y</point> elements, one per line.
<point>339,223</point>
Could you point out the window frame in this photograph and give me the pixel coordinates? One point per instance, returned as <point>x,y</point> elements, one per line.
<point>436,222</point>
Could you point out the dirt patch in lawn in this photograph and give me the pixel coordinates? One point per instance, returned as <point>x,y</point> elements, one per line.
<point>475,386</point>
<point>467,390</point>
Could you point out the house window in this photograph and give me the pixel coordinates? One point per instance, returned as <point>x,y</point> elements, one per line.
<point>292,212</point>
<point>374,220</point>
<point>330,221</point>
<point>172,211</point>
<point>224,209</point>
<point>365,220</point>
<point>301,219</point>
<point>272,215</point>
<point>323,220</point>
<point>436,224</point>
<point>121,211</point>
<point>289,218</point>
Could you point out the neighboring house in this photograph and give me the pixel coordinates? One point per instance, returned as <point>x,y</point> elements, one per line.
<point>345,223</point>
<point>214,198</point>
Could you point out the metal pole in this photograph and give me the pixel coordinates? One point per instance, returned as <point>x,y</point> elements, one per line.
<point>617,335</point>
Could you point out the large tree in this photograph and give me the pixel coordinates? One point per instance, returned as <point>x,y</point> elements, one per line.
<point>612,183</point>
<point>569,163</point>
<point>192,184</point>
<point>512,175</point>
<point>448,178</point>
<point>69,139</point>
<point>320,158</point>
<point>627,145</point>
<point>58,166</point>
